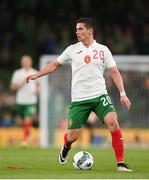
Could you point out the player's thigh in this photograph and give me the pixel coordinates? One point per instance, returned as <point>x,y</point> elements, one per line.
<point>78,115</point>
<point>20,110</point>
<point>103,107</point>
<point>30,110</point>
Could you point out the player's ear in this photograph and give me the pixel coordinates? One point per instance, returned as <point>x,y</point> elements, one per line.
<point>90,31</point>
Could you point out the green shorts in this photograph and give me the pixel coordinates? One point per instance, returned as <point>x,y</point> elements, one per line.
<point>79,111</point>
<point>26,110</point>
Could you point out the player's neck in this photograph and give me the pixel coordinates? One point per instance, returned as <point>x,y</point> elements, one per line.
<point>27,69</point>
<point>88,42</point>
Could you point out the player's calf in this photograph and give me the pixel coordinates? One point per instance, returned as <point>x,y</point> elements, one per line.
<point>64,151</point>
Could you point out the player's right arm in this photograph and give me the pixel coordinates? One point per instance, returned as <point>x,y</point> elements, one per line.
<point>49,68</point>
<point>16,83</point>
<point>14,87</point>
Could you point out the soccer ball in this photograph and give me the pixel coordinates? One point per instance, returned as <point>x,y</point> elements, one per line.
<point>83,160</point>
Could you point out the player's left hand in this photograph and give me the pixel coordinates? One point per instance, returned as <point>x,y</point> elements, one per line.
<point>125,101</point>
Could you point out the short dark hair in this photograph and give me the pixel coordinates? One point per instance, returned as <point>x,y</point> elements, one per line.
<point>89,23</point>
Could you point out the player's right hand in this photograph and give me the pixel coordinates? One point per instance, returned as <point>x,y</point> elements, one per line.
<point>31,77</point>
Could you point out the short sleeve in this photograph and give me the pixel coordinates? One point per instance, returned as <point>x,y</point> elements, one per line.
<point>15,78</point>
<point>109,61</point>
<point>65,56</point>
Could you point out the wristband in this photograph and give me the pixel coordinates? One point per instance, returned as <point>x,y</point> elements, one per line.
<point>122,93</point>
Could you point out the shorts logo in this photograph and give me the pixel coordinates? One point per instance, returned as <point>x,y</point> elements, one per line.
<point>87,59</point>
<point>70,122</point>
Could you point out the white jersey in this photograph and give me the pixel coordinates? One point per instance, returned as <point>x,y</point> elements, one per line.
<point>88,65</point>
<point>27,94</point>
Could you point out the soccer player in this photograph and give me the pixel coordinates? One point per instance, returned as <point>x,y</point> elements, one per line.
<point>88,91</point>
<point>26,96</point>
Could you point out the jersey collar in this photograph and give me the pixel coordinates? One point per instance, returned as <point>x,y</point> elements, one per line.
<point>92,45</point>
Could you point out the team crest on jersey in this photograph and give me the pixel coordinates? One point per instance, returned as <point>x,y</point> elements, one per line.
<point>87,59</point>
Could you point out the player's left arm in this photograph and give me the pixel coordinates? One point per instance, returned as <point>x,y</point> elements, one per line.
<point>117,78</point>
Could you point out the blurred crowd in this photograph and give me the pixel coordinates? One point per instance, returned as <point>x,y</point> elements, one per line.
<point>46,27</point>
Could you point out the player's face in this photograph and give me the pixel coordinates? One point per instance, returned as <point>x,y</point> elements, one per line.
<point>82,32</point>
<point>26,62</point>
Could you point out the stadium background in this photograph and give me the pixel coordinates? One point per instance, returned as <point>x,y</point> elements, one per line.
<point>47,27</point>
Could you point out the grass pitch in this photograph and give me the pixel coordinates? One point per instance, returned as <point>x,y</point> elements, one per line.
<point>18,163</point>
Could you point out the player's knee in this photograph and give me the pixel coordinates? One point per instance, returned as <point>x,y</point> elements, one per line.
<point>73,135</point>
<point>111,121</point>
<point>113,125</point>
